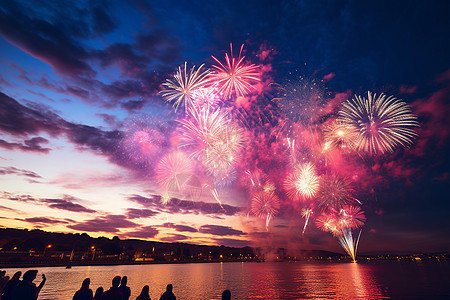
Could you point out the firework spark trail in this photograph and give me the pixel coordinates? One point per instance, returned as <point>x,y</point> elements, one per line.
<point>340,224</point>
<point>347,242</point>
<point>182,88</point>
<point>306,213</point>
<point>382,123</point>
<point>234,76</point>
<point>291,146</point>
<point>215,194</point>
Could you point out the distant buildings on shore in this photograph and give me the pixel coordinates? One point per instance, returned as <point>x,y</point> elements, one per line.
<point>21,247</point>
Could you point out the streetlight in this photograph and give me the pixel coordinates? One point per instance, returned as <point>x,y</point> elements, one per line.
<point>48,246</point>
<point>93,252</point>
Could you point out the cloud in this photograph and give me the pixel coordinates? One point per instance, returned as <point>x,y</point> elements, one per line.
<point>173,238</point>
<point>4,208</point>
<point>177,206</point>
<point>433,113</point>
<point>145,232</point>
<point>160,45</point>
<point>220,230</point>
<point>45,221</point>
<point>405,89</point>
<point>61,35</point>
<point>134,213</point>
<point>181,228</point>
<point>133,105</point>
<point>329,76</point>
<point>67,202</point>
<point>233,242</point>
<point>48,38</point>
<point>111,120</point>
<point>22,172</point>
<point>20,120</point>
<point>124,56</point>
<point>106,223</point>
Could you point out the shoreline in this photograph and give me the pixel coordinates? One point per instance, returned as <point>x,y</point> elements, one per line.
<point>124,263</point>
<point>78,264</point>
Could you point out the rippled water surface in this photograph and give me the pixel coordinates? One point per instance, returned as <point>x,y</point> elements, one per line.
<point>276,280</point>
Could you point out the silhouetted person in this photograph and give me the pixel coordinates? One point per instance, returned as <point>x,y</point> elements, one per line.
<point>144,294</point>
<point>98,293</point>
<point>126,292</point>
<point>226,295</point>
<point>168,294</point>
<point>10,285</point>
<point>26,289</point>
<point>3,279</point>
<point>84,293</point>
<point>113,293</point>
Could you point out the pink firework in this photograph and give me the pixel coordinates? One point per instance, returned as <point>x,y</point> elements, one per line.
<point>303,183</point>
<point>352,217</point>
<point>145,140</point>
<point>234,76</point>
<point>265,205</point>
<point>339,135</point>
<point>206,97</point>
<point>222,153</point>
<point>202,129</point>
<point>328,222</point>
<point>335,192</point>
<point>174,171</point>
<point>213,139</point>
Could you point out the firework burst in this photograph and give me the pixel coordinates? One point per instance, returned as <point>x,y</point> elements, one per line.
<point>234,76</point>
<point>349,243</point>
<point>223,152</point>
<point>335,192</point>
<point>329,223</point>
<point>303,100</point>
<point>265,205</point>
<point>206,97</point>
<point>274,135</point>
<point>174,174</point>
<point>145,140</point>
<point>339,135</point>
<point>202,128</point>
<point>182,88</point>
<point>382,122</point>
<point>303,183</point>
<point>352,217</point>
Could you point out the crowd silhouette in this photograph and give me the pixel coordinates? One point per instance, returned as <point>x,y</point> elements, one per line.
<point>15,289</point>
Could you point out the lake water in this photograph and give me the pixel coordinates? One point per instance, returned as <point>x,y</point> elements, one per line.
<point>270,280</point>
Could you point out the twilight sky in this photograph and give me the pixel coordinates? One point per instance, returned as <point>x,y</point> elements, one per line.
<point>78,79</point>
